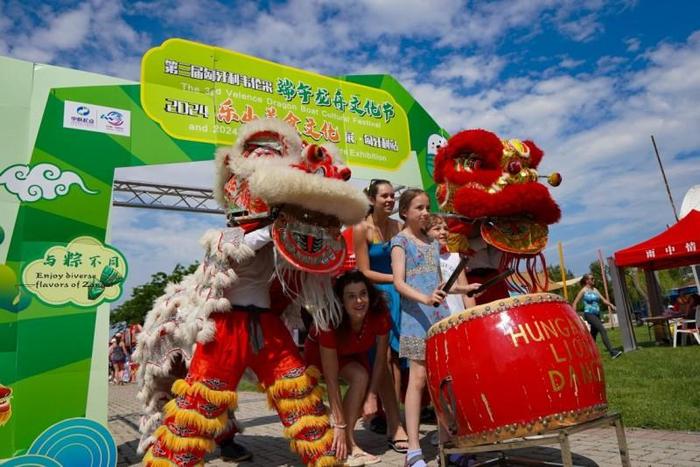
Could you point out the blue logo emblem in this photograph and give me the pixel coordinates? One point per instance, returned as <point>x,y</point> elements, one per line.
<point>72,442</point>
<point>114,118</point>
<point>82,111</point>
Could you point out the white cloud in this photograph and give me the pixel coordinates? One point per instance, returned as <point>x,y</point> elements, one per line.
<point>93,36</point>
<point>633,44</point>
<point>470,70</point>
<point>155,241</point>
<point>570,63</point>
<point>582,29</point>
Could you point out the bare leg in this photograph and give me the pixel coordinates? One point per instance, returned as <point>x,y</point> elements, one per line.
<point>395,371</point>
<point>357,378</point>
<point>391,407</point>
<point>414,394</point>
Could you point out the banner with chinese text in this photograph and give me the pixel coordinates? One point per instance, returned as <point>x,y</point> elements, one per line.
<point>203,93</point>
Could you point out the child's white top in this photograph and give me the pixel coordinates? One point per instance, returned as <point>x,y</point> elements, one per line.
<point>448,263</point>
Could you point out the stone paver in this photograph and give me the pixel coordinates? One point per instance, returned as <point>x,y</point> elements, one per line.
<point>595,447</point>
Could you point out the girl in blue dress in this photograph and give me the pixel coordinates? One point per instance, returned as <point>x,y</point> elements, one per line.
<point>591,311</point>
<point>415,261</point>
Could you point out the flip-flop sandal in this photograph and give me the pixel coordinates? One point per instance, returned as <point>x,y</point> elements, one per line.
<point>393,444</point>
<point>367,458</point>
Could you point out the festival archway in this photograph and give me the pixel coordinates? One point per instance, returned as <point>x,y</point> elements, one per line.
<point>58,272</point>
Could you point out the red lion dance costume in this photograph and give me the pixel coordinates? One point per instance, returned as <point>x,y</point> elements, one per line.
<point>500,211</point>
<point>292,201</point>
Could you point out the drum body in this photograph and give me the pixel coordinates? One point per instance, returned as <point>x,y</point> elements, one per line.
<point>514,367</point>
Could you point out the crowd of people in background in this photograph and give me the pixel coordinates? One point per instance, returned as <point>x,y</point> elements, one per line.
<point>122,368</point>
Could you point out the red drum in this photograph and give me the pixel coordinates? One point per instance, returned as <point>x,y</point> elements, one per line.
<point>514,367</point>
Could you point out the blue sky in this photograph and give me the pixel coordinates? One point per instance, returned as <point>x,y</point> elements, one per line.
<point>589,81</point>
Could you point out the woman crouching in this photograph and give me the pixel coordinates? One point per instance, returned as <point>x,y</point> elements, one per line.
<point>343,353</point>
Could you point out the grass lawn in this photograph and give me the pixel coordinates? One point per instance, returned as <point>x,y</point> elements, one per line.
<point>655,386</point>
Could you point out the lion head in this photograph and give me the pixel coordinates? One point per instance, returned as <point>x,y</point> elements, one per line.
<point>493,185</point>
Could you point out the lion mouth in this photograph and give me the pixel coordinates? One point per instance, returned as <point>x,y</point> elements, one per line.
<point>5,396</point>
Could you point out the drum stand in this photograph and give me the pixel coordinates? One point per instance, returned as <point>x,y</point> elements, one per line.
<point>560,436</point>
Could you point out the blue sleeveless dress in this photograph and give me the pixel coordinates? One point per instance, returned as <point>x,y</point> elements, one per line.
<point>380,261</point>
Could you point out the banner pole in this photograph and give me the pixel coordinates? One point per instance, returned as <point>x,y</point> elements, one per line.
<point>605,283</point>
<point>563,271</point>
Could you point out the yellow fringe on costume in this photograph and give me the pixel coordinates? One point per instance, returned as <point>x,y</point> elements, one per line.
<point>286,387</point>
<point>211,426</point>
<point>313,448</point>
<point>182,387</point>
<point>180,443</point>
<point>326,461</point>
<point>303,404</point>
<point>150,461</point>
<point>306,421</point>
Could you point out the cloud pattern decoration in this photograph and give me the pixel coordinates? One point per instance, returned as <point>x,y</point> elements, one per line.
<point>42,181</point>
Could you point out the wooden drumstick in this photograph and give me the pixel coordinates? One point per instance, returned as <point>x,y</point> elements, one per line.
<point>453,277</point>
<point>490,282</point>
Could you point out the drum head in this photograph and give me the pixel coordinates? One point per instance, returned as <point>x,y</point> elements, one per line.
<point>307,245</point>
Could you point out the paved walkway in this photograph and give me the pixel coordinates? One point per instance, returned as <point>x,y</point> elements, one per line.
<point>595,447</point>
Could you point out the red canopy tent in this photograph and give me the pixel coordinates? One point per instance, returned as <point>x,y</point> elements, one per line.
<point>677,246</point>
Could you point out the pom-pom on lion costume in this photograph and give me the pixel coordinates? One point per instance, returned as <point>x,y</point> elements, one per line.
<point>501,210</point>
<point>286,203</point>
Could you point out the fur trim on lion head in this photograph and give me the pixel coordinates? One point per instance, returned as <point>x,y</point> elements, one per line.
<point>269,165</point>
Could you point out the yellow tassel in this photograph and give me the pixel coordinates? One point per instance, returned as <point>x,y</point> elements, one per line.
<point>325,461</point>
<point>182,387</point>
<point>286,387</point>
<point>179,443</point>
<point>313,448</point>
<point>306,421</point>
<point>210,426</point>
<point>303,405</point>
<point>150,461</point>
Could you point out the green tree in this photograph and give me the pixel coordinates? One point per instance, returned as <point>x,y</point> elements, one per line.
<point>554,273</point>
<point>142,297</point>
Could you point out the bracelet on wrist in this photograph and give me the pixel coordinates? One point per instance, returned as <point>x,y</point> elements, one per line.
<point>342,426</point>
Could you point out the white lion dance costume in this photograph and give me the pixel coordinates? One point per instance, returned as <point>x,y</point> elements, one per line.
<point>291,201</point>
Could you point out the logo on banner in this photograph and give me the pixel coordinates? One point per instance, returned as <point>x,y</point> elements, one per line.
<point>114,118</point>
<point>91,117</point>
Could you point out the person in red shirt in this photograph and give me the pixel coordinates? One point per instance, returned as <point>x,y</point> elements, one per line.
<point>343,353</point>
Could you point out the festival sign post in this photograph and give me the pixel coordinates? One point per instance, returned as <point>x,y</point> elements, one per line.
<point>67,132</point>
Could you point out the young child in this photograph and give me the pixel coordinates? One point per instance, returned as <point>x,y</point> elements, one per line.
<point>437,229</point>
<point>415,262</point>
